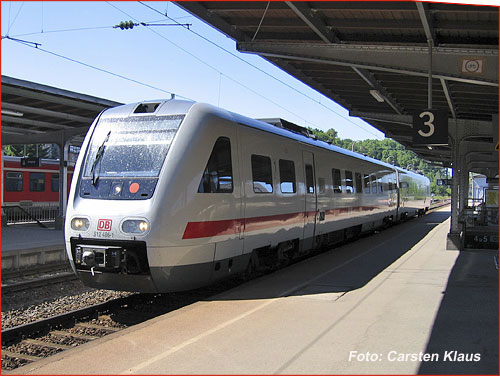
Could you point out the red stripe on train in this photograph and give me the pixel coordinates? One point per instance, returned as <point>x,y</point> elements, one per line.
<point>205,229</point>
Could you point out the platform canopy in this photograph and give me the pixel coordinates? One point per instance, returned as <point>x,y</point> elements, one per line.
<point>34,113</point>
<point>373,58</point>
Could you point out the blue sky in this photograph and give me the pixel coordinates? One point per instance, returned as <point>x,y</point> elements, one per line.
<point>170,58</point>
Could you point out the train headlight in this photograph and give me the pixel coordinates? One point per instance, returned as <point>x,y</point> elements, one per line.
<point>80,224</point>
<point>135,226</point>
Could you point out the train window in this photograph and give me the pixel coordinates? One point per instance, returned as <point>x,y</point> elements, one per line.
<point>287,176</point>
<point>337,181</point>
<point>14,182</point>
<point>218,175</point>
<point>359,187</point>
<point>54,182</point>
<point>134,146</point>
<point>349,184</point>
<point>374,183</point>
<point>309,179</point>
<point>37,182</point>
<point>262,174</point>
<point>366,183</point>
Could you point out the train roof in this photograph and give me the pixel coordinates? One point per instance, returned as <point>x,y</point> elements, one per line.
<point>12,158</point>
<point>166,107</point>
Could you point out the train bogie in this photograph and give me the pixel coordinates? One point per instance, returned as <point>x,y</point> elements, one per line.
<point>222,195</point>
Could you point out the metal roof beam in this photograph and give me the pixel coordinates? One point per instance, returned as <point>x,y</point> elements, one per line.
<point>426,18</point>
<point>396,59</point>
<point>18,131</point>
<point>43,138</point>
<point>33,123</point>
<point>44,112</point>
<point>375,84</point>
<point>449,99</point>
<point>206,15</point>
<point>28,93</point>
<point>56,92</point>
<point>307,15</point>
<point>384,117</point>
<point>471,126</point>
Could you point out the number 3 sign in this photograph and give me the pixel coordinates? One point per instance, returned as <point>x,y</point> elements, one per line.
<point>430,127</point>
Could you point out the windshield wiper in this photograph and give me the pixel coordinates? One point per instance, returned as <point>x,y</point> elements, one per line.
<point>98,156</point>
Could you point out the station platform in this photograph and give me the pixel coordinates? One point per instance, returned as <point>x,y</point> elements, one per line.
<point>27,246</point>
<point>22,237</point>
<point>395,302</point>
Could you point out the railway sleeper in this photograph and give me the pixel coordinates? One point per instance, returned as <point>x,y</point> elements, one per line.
<point>38,349</point>
<point>53,345</point>
<point>84,337</point>
<point>87,325</point>
<point>14,355</point>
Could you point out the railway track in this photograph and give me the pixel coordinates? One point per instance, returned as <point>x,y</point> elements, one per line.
<point>35,270</point>
<point>42,281</point>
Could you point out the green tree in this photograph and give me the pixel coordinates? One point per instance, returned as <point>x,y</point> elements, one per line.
<point>44,150</point>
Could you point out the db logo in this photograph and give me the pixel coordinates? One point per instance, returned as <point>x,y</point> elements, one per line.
<point>104,225</point>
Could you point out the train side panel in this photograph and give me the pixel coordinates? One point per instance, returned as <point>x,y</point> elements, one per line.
<point>274,211</point>
<point>350,193</point>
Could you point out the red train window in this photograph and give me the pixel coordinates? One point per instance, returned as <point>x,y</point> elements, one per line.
<point>37,182</point>
<point>14,181</point>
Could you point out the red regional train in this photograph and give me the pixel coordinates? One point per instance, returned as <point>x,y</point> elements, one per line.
<point>36,184</point>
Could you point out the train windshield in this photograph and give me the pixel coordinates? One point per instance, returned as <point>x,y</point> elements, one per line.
<point>130,147</point>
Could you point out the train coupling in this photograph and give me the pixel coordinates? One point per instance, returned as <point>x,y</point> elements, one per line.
<point>109,259</point>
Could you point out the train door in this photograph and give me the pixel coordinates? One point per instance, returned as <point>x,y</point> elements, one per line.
<point>229,205</point>
<point>310,200</point>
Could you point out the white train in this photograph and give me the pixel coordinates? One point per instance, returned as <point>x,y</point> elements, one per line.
<point>173,195</point>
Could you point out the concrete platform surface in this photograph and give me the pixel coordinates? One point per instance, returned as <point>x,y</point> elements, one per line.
<point>392,303</point>
<point>22,237</point>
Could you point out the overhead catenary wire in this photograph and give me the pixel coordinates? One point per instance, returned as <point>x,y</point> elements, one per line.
<point>64,30</point>
<point>15,18</point>
<point>35,44</point>
<point>211,66</point>
<point>149,23</point>
<point>191,54</point>
<point>37,47</point>
<point>264,72</point>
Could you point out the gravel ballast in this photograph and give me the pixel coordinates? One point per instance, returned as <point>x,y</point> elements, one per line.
<point>27,306</point>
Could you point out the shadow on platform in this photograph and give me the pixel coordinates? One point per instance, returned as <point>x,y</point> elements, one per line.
<point>354,267</point>
<point>467,320</point>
